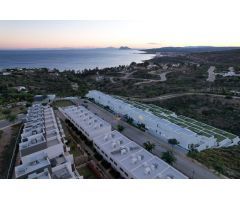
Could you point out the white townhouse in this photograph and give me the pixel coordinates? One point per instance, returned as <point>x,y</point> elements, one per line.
<point>127,157</point>
<point>166,124</point>
<point>43,151</point>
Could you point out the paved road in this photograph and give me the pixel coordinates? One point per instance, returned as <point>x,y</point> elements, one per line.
<point>5,123</point>
<point>184,164</point>
<point>169,96</point>
<point>211,74</point>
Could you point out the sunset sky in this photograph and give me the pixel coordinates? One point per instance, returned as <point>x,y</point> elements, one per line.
<point>135,34</point>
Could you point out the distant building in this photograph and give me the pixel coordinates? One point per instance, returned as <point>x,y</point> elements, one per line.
<point>39,98</point>
<point>165,124</point>
<point>151,65</point>
<point>75,86</point>
<point>6,73</point>
<point>20,88</point>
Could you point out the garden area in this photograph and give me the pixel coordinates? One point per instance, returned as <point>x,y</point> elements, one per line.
<point>87,173</point>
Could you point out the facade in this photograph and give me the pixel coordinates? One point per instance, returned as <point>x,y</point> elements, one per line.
<point>127,157</point>
<point>165,124</point>
<point>42,149</point>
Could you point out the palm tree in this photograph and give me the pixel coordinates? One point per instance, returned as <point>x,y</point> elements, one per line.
<point>149,146</point>
<point>168,157</point>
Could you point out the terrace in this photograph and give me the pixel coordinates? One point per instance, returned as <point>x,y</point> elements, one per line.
<point>43,175</point>
<point>32,141</point>
<point>37,162</point>
<point>62,173</point>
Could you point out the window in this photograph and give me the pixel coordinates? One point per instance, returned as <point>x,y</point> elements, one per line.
<point>115,163</point>
<point>121,169</point>
<point>111,159</point>
<point>126,174</point>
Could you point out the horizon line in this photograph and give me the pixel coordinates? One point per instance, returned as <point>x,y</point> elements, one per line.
<point>78,48</point>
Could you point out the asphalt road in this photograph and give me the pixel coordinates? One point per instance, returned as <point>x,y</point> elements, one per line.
<point>5,123</point>
<point>186,165</point>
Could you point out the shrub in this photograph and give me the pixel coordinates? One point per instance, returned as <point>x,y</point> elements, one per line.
<point>149,146</point>
<point>98,156</point>
<point>120,128</point>
<point>11,117</point>
<point>168,157</point>
<point>6,111</point>
<point>173,141</point>
<point>1,132</point>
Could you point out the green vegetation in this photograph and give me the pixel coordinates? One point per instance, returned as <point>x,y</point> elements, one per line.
<point>40,81</point>
<point>120,128</point>
<point>7,153</point>
<point>11,113</point>
<point>173,141</point>
<point>1,132</point>
<point>129,120</point>
<point>224,160</point>
<point>86,173</point>
<point>216,111</point>
<point>168,157</point>
<point>11,117</point>
<point>149,146</point>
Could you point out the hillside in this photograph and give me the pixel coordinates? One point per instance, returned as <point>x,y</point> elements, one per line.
<point>191,49</point>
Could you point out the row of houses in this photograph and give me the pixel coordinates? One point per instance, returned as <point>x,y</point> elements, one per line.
<point>165,124</point>
<point>124,155</point>
<point>43,151</point>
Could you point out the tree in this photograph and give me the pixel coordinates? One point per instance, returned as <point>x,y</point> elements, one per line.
<point>1,132</point>
<point>141,126</point>
<point>6,111</point>
<point>129,120</point>
<point>173,142</point>
<point>149,146</point>
<point>11,117</point>
<point>168,157</point>
<point>120,128</point>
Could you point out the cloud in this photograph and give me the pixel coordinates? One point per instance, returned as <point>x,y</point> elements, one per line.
<point>154,43</point>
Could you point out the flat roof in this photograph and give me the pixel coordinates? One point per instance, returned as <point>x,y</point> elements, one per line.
<point>182,121</point>
<point>133,158</point>
<point>35,162</point>
<point>85,119</point>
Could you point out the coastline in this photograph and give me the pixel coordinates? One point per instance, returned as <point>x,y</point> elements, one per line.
<point>77,60</point>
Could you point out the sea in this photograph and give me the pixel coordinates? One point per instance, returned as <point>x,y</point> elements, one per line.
<point>69,59</point>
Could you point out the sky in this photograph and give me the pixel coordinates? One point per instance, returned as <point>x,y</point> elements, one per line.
<point>168,31</point>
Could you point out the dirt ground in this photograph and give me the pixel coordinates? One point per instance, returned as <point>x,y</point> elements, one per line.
<point>5,139</point>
